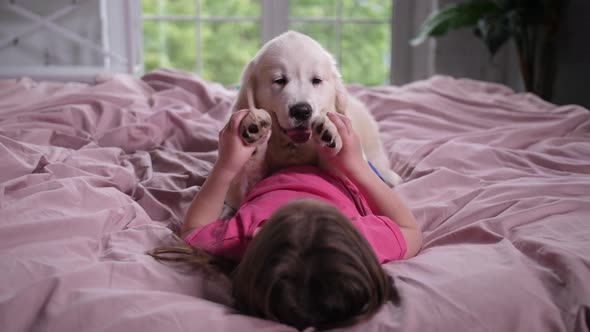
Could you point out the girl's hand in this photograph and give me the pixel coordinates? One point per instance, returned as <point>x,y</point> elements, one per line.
<point>233,153</point>
<point>350,156</point>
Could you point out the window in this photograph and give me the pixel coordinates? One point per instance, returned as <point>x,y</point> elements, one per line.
<point>356,32</point>
<point>211,37</point>
<point>216,38</point>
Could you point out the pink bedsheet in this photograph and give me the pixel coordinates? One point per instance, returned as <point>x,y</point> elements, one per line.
<point>93,176</point>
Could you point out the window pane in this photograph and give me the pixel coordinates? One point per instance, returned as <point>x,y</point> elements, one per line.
<point>227,47</point>
<point>247,8</point>
<point>312,8</point>
<point>169,44</point>
<point>169,7</point>
<point>366,53</point>
<point>324,33</point>
<point>375,9</point>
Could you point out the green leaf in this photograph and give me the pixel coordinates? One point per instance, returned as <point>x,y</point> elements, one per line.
<point>454,17</point>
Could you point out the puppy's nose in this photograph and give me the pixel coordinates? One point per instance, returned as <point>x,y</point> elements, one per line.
<point>300,111</point>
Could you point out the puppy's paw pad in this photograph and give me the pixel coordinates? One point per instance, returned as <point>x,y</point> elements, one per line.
<point>327,137</point>
<point>326,134</point>
<point>255,127</point>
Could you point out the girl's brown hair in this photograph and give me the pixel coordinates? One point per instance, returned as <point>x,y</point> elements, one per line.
<point>193,257</point>
<point>309,266</point>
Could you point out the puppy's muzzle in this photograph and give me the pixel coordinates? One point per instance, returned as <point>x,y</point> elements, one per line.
<point>300,115</point>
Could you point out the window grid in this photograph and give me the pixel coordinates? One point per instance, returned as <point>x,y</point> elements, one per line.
<point>337,21</point>
<point>327,19</point>
<point>198,48</point>
<point>198,20</point>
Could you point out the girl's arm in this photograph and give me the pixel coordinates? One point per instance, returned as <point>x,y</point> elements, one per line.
<point>207,206</point>
<point>380,197</point>
<point>233,154</point>
<point>385,201</point>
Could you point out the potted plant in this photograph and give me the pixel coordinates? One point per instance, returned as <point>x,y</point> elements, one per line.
<point>532,24</point>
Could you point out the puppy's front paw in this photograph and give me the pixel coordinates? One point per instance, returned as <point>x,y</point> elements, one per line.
<point>390,177</point>
<point>255,127</point>
<point>326,135</point>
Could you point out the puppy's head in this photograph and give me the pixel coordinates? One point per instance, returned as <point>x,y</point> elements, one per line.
<point>296,79</point>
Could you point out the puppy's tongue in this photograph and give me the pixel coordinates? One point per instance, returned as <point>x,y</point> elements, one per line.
<point>299,135</point>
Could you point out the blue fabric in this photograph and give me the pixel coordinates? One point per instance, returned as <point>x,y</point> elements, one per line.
<point>375,170</point>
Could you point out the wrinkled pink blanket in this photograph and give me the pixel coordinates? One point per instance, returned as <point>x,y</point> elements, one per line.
<point>93,176</point>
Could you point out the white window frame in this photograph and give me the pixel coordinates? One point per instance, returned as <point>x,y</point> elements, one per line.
<point>410,63</point>
<point>274,19</point>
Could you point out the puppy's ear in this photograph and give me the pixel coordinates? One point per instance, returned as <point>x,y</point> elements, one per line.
<point>245,99</point>
<point>341,98</point>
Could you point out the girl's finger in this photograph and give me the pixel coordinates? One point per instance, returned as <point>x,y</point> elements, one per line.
<point>346,121</point>
<point>234,122</point>
<point>338,121</point>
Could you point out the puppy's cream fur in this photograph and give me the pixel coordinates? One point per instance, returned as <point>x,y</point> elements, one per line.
<point>290,69</point>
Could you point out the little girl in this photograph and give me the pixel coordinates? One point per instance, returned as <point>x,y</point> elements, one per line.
<point>307,240</point>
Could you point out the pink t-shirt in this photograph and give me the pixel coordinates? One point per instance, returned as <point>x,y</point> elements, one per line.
<point>229,238</point>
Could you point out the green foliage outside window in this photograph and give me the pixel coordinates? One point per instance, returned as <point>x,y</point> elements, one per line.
<point>227,46</point>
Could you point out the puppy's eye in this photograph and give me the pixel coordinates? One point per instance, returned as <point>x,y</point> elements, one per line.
<point>280,81</point>
<point>316,81</point>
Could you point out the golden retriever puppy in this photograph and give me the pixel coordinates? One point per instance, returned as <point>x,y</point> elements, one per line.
<point>289,86</point>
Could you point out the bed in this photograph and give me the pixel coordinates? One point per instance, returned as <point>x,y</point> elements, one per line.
<point>93,176</point>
